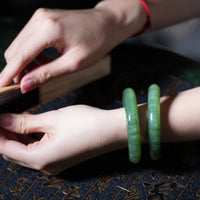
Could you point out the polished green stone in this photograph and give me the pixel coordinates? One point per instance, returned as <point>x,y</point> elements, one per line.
<point>133,127</point>
<point>154,121</point>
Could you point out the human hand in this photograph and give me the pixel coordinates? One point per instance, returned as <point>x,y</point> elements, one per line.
<point>70,135</point>
<point>80,36</point>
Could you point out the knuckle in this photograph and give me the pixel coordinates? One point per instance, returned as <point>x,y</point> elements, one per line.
<point>54,27</point>
<point>44,75</point>
<point>40,13</point>
<point>23,124</point>
<point>50,24</point>
<point>7,55</point>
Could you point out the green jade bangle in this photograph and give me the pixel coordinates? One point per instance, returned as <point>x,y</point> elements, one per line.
<point>154,121</point>
<point>133,128</point>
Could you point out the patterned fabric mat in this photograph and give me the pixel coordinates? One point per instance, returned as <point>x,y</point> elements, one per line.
<point>111,176</point>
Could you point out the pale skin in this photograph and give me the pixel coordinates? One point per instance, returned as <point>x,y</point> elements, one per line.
<point>73,138</point>
<point>82,37</point>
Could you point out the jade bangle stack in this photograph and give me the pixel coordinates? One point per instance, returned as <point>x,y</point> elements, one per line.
<point>133,128</point>
<point>154,121</point>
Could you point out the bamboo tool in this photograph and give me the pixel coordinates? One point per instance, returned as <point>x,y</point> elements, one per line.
<point>12,100</point>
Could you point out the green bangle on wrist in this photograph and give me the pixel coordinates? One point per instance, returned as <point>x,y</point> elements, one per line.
<point>154,121</point>
<point>133,128</point>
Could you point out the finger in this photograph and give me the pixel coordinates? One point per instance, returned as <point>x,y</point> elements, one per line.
<point>39,60</point>
<point>25,139</point>
<point>15,161</point>
<point>27,69</point>
<point>29,29</point>
<point>19,76</point>
<point>26,54</point>
<point>32,155</point>
<point>18,63</point>
<point>9,147</point>
<point>24,123</point>
<point>16,152</point>
<point>65,64</point>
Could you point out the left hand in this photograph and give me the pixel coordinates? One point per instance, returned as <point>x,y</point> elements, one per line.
<point>70,135</point>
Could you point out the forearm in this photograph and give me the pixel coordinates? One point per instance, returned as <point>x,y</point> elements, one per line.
<point>130,16</point>
<point>180,118</point>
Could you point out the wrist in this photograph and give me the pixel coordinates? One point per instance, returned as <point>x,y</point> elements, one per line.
<point>128,18</point>
<point>118,125</point>
<point>117,128</point>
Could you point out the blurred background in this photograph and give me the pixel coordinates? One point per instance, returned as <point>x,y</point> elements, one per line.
<point>183,38</point>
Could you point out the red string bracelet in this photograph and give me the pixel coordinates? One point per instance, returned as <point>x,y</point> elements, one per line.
<point>148,22</point>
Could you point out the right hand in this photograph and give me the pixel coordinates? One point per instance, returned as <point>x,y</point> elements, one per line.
<point>81,38</point>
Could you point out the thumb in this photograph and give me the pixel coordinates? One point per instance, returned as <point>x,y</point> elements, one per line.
<point>21,123</point>
<point>45,72</point>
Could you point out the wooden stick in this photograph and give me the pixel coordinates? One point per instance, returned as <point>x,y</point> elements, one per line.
<point>55,88</point>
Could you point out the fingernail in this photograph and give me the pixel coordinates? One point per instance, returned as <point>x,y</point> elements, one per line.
<point>28,85</point>
<point>6,120</point>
